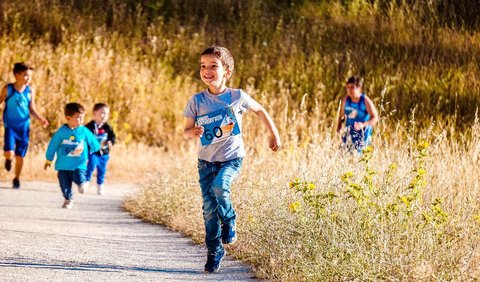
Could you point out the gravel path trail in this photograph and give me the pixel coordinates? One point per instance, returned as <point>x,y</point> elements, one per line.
<point>93,241</point>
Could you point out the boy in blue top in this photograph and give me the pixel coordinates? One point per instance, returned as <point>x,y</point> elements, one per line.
<point>215,117</point>
<point>106,136</point>
<point>360,115</point>
<point>72,143</point>
<point>19,100</point>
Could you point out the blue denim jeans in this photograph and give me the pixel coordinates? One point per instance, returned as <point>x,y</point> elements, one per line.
<point>66,177</point>
<point>100,163</point>
<point>215,181</point>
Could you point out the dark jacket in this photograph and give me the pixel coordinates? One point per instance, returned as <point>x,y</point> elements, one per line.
<point>103,133</point>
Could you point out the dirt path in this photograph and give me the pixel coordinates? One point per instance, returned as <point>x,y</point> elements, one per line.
<point>94,241</point>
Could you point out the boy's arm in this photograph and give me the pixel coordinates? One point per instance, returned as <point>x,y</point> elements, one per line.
<point>262,114</point>
<point>372,111</point>
<point>111,135</point>
<point>190,130</point>
<point>92,142</point>
<point>341,115</point>
<point>33,110</point>
<point>3,93</point>
<point>51,150</point>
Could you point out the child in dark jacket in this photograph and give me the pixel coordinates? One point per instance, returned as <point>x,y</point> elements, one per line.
<point>106,136</point>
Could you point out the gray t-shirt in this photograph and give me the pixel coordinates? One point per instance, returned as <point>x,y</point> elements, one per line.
<point>203,103</point>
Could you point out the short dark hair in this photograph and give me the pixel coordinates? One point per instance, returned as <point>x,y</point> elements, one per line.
<point>73,108</point>
<point>21,67</point>
<point>99,106</point>
<point>355,80</point>
<point>223,54</point>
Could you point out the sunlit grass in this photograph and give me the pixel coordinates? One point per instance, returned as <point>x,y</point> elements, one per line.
<point>315,213</point>
<point>294,59</point>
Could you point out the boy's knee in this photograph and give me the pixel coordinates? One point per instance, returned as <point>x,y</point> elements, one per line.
<point>209,215</point>
<point>221,190</point>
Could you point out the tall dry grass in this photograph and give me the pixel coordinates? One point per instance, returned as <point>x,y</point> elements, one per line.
<point>132,163</point>
<point>312,213</point>
<point>142,58</point>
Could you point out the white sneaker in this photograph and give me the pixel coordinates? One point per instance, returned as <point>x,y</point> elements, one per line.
<point>100,189</point>
<point>67,204</point>
<point>82,188</point>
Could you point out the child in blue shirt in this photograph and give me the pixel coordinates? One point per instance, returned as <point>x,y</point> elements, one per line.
<point>360,115</point>
<point>72,143</point>
<point>19,100</point>
<point>106,136</point>
<point>215,117</point>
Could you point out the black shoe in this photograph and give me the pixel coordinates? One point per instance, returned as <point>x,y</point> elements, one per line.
<point>16,183</point>
<point>214,260</point>
<point>8,165</point>
<point>229,234</point>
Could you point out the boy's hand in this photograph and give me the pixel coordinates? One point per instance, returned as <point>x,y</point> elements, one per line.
<point>358,125</point>
<point>47,165</point>
<point>44,122</point>
<point>198,131</point>
<point>275,143</point>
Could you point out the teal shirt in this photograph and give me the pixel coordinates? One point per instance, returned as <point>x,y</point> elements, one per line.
<point>72,147</point>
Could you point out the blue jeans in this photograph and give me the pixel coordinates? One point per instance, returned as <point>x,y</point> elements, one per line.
<point>98,162</point>
<point>66,177</point>
<point>215,181</point>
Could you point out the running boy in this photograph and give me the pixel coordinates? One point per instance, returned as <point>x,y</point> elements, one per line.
<point>105,135</point>
<point>360,115</point>
<point>71,143</point>
<point>215,117</point>
<point>19,100</point>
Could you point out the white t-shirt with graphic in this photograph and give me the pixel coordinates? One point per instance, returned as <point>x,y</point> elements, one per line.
<point>222,140</point>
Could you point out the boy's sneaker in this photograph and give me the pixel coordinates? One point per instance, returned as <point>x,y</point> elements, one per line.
<point>82,188</point>
<point>100,189</point>
<point>67,204</point>
<point>16,183</point>
<point>8,165</point>
<point>229,234</point>
<point>214,260</point>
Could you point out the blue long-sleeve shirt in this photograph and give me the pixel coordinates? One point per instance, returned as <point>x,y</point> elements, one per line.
<point>72,147</point>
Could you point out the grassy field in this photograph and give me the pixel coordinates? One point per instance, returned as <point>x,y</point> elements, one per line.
<point>407,211</point>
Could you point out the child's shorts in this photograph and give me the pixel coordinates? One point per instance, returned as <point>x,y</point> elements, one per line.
<point>16,140</point>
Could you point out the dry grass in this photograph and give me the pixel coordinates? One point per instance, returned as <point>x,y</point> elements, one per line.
<point>142,59</point>
<point>339,237</point>
<point>132,163</point>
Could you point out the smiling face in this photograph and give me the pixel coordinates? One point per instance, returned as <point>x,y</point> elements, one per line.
<point>24,77</point>
<point>213,73</point>
<point>101,115</point>
<point>75,120</point>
